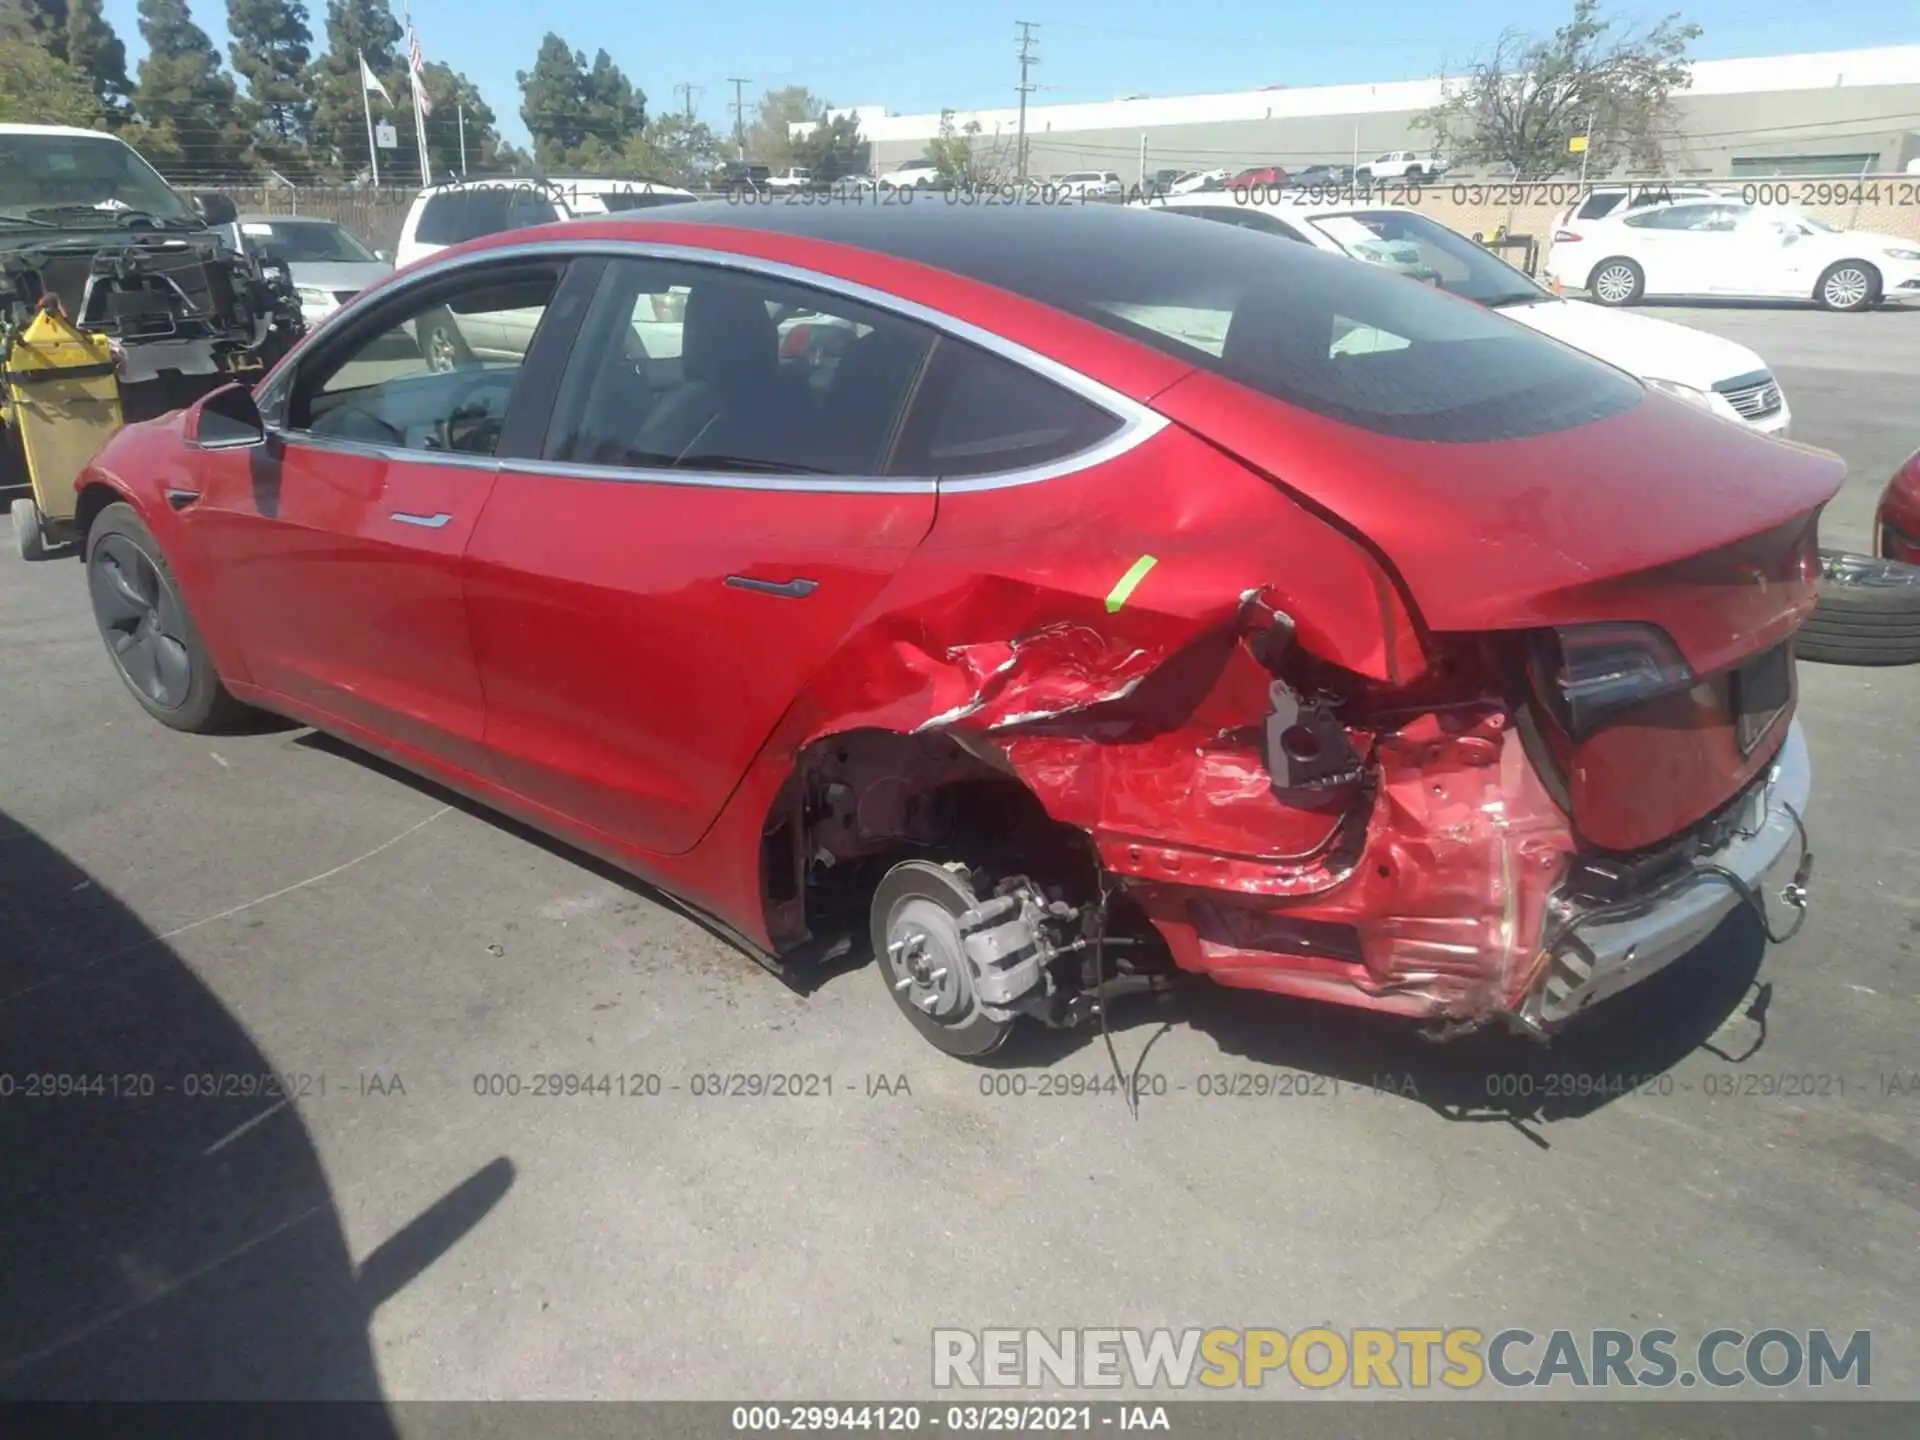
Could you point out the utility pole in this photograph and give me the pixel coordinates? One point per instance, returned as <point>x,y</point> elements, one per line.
<point>739,116</point>
<point>686,89</point>
<point>1027,58</point>
<point>461,110</point>
<point>1586,144</point>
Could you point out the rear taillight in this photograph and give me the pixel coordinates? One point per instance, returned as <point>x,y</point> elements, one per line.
<point>1565,237</point>
<point>1804,562</point>
<point>1593,673</point>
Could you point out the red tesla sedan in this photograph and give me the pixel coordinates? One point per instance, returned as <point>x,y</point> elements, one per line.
<point>1121,599</point>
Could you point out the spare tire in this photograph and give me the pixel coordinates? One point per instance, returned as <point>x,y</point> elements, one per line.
<point>1869,613</point>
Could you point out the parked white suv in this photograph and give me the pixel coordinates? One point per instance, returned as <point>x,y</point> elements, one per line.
<point>791,180</point>
<point>444,215</point>
<point>1402,165</point>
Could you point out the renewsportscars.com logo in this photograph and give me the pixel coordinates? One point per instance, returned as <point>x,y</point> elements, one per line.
<point>1458,1358</point>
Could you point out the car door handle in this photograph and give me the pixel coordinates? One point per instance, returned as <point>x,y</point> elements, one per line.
<point>796,589</point>
<point>180,499</point>
<point>425,522</point>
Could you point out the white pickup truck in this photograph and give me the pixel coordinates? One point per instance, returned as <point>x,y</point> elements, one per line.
<point>1402,165</point>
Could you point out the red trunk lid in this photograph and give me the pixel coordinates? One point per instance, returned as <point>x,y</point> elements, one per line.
<point>1662,514</point>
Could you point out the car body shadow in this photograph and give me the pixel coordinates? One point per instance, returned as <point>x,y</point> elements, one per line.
<point>1623,1046</point>
<point>167,1226</point>
<point>803,977</point>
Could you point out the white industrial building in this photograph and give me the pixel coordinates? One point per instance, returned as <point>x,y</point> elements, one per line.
<point>1843,112</point>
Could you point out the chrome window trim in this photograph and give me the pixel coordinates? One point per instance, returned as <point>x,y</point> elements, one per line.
<point>1138,423</point>
<point>395,454</point>
<point>728,480</point>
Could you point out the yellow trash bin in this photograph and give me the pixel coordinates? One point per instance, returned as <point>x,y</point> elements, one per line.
<point>63,401</point>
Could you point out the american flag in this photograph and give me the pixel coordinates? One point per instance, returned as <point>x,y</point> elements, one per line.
<point>415,64</point>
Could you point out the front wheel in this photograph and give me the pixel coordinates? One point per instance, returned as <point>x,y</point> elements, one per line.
<point>1848,285</point>
<point>155,645</point>
<point>1617,282</point>
<point>920,954</point>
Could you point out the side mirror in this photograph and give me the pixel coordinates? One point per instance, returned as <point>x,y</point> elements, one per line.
<point>228,419</point>
<point>215,209</point>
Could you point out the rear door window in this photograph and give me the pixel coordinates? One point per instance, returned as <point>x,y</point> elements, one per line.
<point>977,414</point>
<point>1688,217</point>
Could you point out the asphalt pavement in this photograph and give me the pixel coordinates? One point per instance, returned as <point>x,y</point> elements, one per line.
<point>184,915</point>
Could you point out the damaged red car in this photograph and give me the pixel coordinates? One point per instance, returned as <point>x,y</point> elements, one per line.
<point>1057,600</point>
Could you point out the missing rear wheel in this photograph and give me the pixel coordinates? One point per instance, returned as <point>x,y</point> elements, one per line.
<point>922,957</point>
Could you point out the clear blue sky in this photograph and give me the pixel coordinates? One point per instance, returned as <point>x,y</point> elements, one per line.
<point>863,52</point>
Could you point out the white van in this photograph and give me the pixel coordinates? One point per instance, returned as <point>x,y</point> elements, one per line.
<point>444,215</point>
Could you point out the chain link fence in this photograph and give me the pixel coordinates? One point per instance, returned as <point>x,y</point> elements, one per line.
<point>1888,204</point>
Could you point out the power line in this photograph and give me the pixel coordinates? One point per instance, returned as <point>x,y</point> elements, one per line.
<point>1027,58</point>
<point>739,116</point>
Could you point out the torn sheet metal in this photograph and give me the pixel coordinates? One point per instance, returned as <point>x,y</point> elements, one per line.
<point>1421,888</point>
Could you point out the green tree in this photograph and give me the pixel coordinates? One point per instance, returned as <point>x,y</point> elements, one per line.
<point>677,149</point>
<point>272,47</point>
<point>97,52</point>
<point>1521,104</point>
<point>616,108</point>
<point>553,101</point>
<point>36,86</point>
<point>77,33</point>
<point>770,136</point>
<point>191,121</point>
<point>337,128</point>
<point>964,159</point>
<point>581,117</point>
<point>452,94</point>
<point>834,148</point>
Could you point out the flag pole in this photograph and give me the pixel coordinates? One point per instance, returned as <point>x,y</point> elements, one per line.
<point>419,117</point>
<point>366,106</point>
<point>420,139</point>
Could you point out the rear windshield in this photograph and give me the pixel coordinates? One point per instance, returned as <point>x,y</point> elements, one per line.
<point>1354,342</point>
<point>308,241</point>
<point>1366,347</point>
<point>453,216</point>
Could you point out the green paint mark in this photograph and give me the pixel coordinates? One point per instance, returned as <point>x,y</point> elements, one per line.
<point>1136,572</point>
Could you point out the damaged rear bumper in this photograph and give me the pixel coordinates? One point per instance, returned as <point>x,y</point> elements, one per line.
<point>1606,953</point>
<point>1462,913</point>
